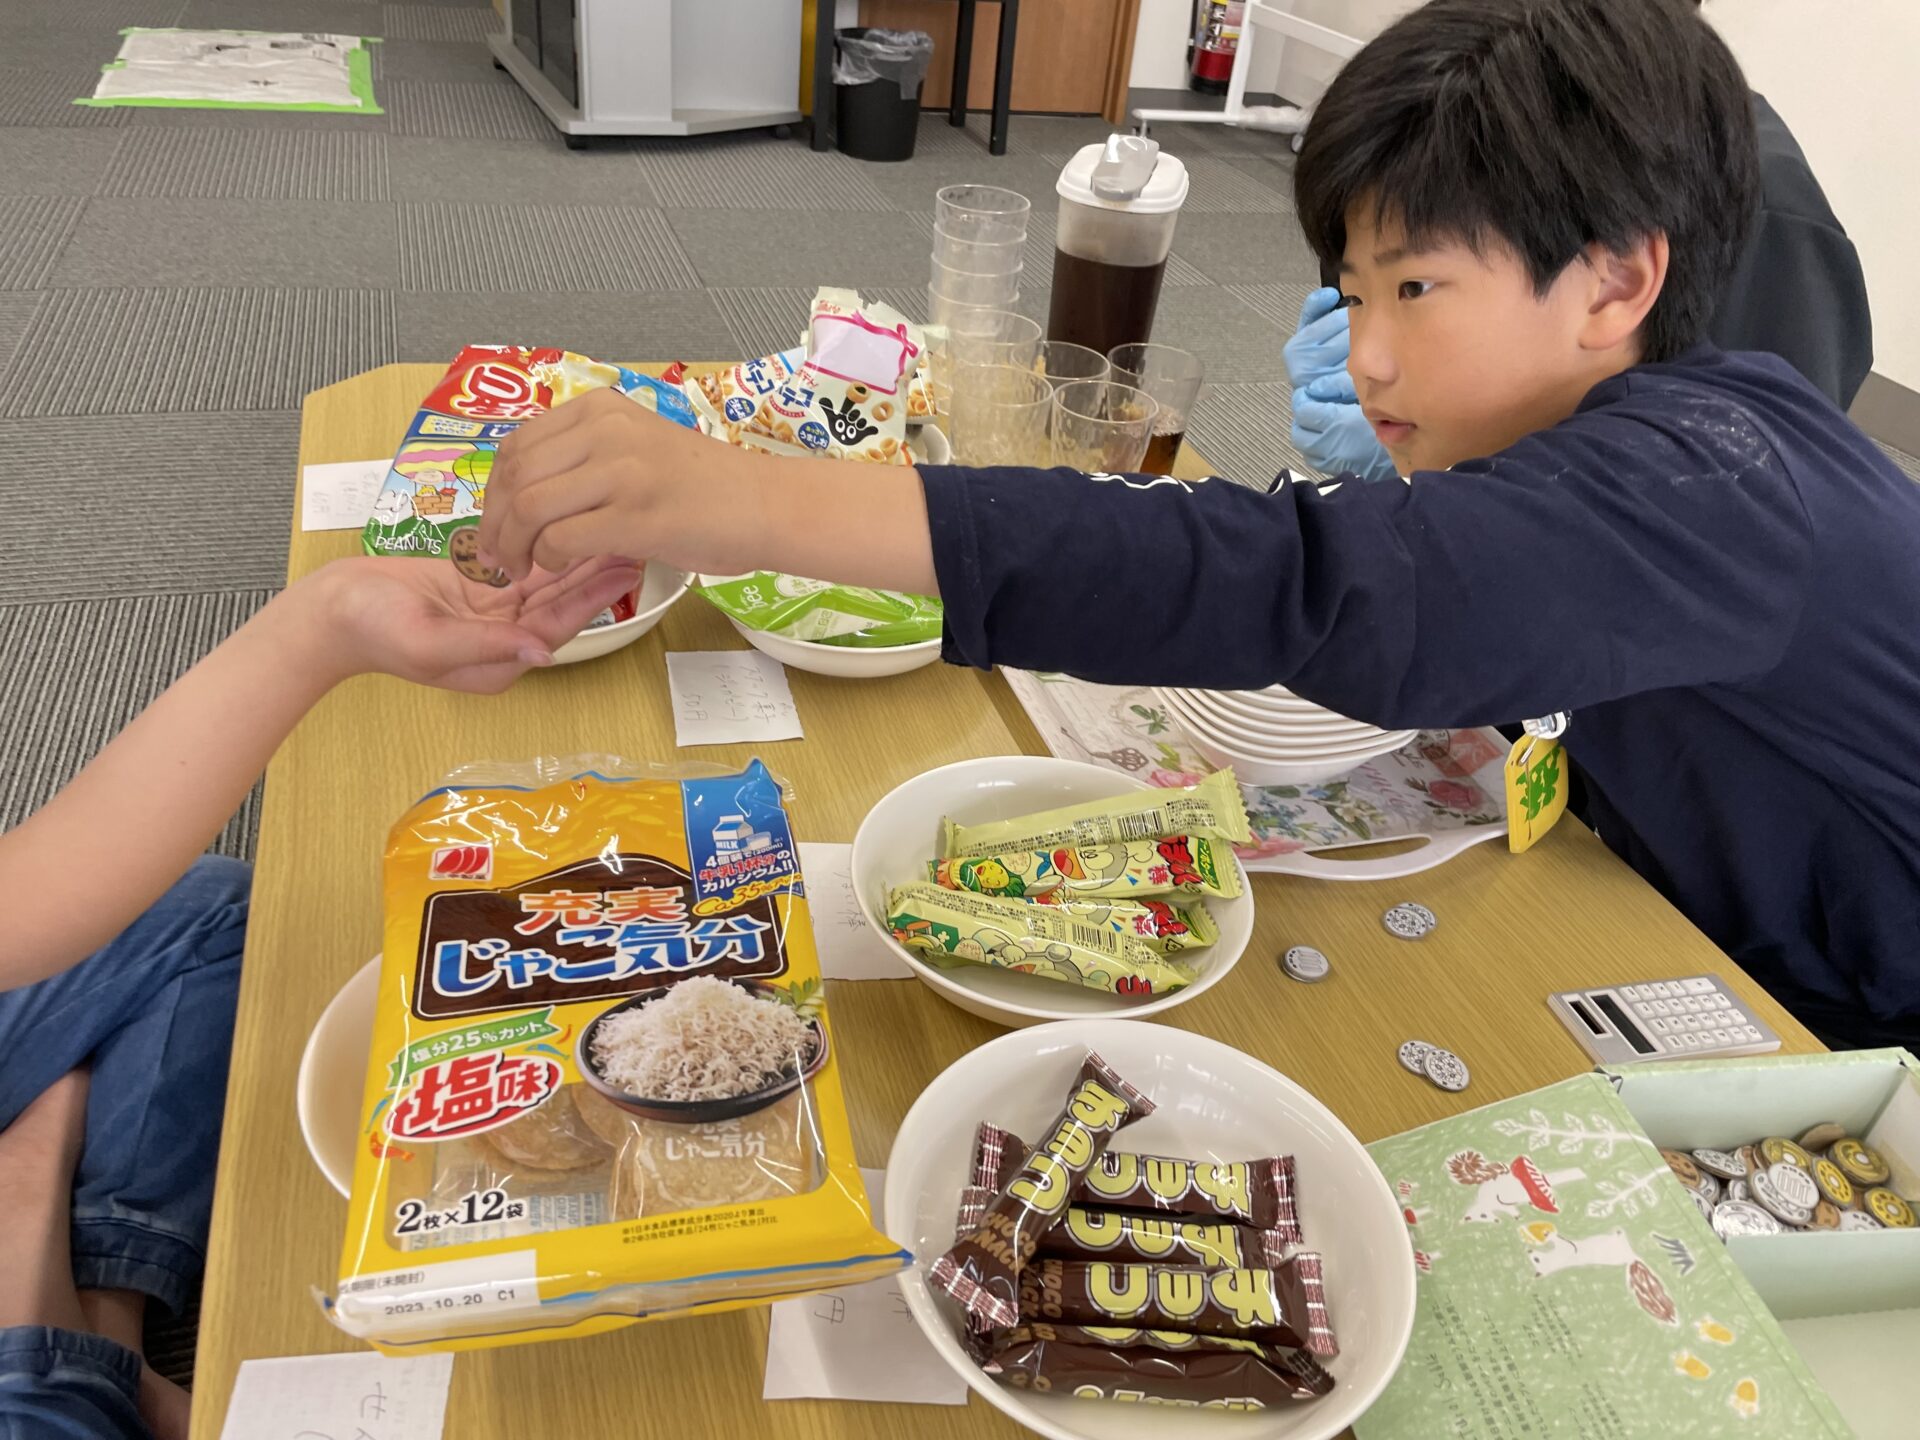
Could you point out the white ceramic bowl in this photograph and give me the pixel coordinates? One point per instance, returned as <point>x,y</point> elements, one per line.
<point>1257,744</point>
<point>902,833</point>
<point>1212,1102</point>
<point>1229,706</point>
<point>841,660</point>
<point>659,589</point>
<point>333,1076</point>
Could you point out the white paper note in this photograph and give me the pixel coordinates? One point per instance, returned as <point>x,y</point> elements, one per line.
<point>340,1397</point>
<point>856,1343</point>
<point>730,697</point>
<point>340,497</point>
<point>850,948</point>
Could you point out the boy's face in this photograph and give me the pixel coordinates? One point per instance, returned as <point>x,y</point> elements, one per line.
<point>1454,355</point>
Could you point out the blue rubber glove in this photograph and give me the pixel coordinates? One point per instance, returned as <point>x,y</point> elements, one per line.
<point>1319,343</point>
<point>1330,430</point>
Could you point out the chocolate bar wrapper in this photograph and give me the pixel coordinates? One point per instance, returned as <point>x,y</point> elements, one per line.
<point>1168,928</point>
<point>1175,1342</point>
<point>1125,1238</point>
<point>982,1272</point>
<point>1183,864</point>
<point>1207,1380</point>
<point>1259,1193</point>
<point>957,927</point>
<point>1284,1304</point>
<point>1212,809</point>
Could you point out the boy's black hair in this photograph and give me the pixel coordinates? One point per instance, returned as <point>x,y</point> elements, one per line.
<point>1548,125</point>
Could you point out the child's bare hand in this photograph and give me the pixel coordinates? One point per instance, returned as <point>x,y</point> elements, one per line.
<point>420,620</point>
<point>602,475</point>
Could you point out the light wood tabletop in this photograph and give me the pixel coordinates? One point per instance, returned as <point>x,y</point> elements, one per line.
<point>1513,929</point>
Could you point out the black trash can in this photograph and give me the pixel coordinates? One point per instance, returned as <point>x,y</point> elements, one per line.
<point>876,90</point>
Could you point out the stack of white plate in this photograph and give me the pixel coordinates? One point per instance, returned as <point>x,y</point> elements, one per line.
<point>1273,737</point>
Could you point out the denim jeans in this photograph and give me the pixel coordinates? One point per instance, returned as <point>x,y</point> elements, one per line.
<point>151,1014</point>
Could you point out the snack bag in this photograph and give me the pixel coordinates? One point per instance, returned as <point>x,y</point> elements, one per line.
<point>438,483</point>
<point>848,615</point>
<point>601,1086</point>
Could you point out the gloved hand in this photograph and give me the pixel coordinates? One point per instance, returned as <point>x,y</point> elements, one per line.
<point>1328,427</point>
<point>1330,430</point>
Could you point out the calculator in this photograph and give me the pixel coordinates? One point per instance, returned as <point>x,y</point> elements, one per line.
<point>1662,1020</point>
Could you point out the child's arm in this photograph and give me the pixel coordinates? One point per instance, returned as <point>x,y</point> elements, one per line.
<point>109,844</point>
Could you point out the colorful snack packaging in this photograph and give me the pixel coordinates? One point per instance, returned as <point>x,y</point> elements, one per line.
<point>1283,1304</point>
<point>1169,929</point>
<point>601,1084</point>
<point>847,398</point>
<point>1206,1380</point>
<point>1257,1193</point>
<point>956,927</point>
<point>1212,809</point>
<point>1174,1342</point>
<point>982,1272</point>
<point>800,609</point>
<point>1181,864</point>
<point>437,485</point>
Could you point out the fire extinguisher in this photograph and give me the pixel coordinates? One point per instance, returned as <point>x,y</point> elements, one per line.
<point>1216,37</point>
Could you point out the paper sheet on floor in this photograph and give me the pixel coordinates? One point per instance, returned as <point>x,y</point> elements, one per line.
<point>856,1343</point>
<point>394,1398</point>
<point>730,697</point>
<point>239,69</point>
<point>340,497</point>
<point>850,948</point>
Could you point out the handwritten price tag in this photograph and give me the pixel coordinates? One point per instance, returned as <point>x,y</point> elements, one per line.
<point>730,697</point>
<point>340,497</point>
<point>850,948</point>
<point>340,1397</point>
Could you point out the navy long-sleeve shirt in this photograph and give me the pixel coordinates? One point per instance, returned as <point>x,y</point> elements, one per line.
<point>1707,564</point>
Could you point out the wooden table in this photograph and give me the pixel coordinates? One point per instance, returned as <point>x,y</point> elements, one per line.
<point>1513,929</point>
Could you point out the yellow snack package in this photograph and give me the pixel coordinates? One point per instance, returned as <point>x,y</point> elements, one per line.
<point>601,1087</point>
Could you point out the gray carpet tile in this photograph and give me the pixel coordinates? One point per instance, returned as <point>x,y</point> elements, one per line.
<point>307,121</point>
<point>912,185</point>
<point>440,22</point>
<point>46,161</point>
<point>450,61</point>
<point>764,319</point>
<point>227,480</point>
<point>46,96</point>
<point>1238,345</point>
<point>784,247</point>
<point>1054,136</point>
<point>1278,303</point>
<point>170,351</point>
<point>755,172</point>
<point>1909,463</point>
<point>47,41</point>
<point>1243,432</point>
<point>33,230</point>
<point>333,17</point>
<point>1246,249</point>
<point>112,14</point>
<point>19,311</point>
<point>608,325</point>
<point>79,670</point>
<point>517,172</point>
<point>1215,186</point>
<point>124,241</point>
<point>557,247</point>
<point>287,164</point>
<point>1275,170</point>
<point>481,110</point>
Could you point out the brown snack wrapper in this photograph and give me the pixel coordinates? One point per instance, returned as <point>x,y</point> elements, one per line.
<point>1257,1193</point>
<point>983,1270</point>
<point>1126,1238</point>
<point>1177,1342</point>
<point>1284,1304</point>
<point>1208,1380</point>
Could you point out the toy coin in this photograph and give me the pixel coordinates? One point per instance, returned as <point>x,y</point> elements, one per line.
<point>1858,1220</point>
<point>1767,1195</point>
<point>1305,964</point>
<point>1738,1190</point>
<point>1750,1157</point>
<point>1683,1166</point>
<point>1889,1209</point>
<point>1724,1163</point>
<point>1861,1164</point>
<point>1833,1184</point>
<point>1743,1217</point>
<point>1413,1055</point>
<point>1776,1148</point>
<point>1409,921</point>
<point>463,548</point>
<point>1794,1185</point>
<point>1449,1071</point>
<point>1820,1136</point>
<point>1826,1216</point>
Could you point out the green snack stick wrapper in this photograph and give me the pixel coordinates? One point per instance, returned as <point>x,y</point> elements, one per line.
<point>958,928</point>
<point>1212,809</point>
<point>1181,863</point>
<point>847,615</point>
<point>1167,928</point>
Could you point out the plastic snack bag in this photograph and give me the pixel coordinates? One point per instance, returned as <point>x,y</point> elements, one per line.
<point>601,1087</point>
<point>438,483</point>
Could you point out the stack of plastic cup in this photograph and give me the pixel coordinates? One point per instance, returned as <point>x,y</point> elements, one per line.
<point>979,237</point>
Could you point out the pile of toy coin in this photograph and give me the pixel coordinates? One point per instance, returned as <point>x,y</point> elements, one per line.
<point>1825,1180</point>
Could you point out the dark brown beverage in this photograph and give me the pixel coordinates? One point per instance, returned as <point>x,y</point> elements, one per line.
<point>1100,305</point>
<point>1161,450</point>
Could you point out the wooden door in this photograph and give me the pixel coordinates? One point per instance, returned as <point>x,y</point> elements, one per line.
<point>1071,57</point>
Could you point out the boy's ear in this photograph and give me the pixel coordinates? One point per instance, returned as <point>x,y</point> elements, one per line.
<point>1625,285</point>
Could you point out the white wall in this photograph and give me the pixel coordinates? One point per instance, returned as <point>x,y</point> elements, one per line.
<point>1845,76</point>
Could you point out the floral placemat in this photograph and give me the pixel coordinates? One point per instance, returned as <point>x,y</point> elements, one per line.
<point>1442,781</point>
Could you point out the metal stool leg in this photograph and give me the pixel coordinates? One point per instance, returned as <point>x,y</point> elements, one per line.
<point>962,63</point>
<point>1003,76</point>
<point>822,72</point>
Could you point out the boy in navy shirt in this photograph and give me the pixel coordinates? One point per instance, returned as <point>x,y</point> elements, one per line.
<point>1531,203</point>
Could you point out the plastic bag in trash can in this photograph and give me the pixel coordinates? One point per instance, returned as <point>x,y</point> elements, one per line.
<point>901,56</point>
